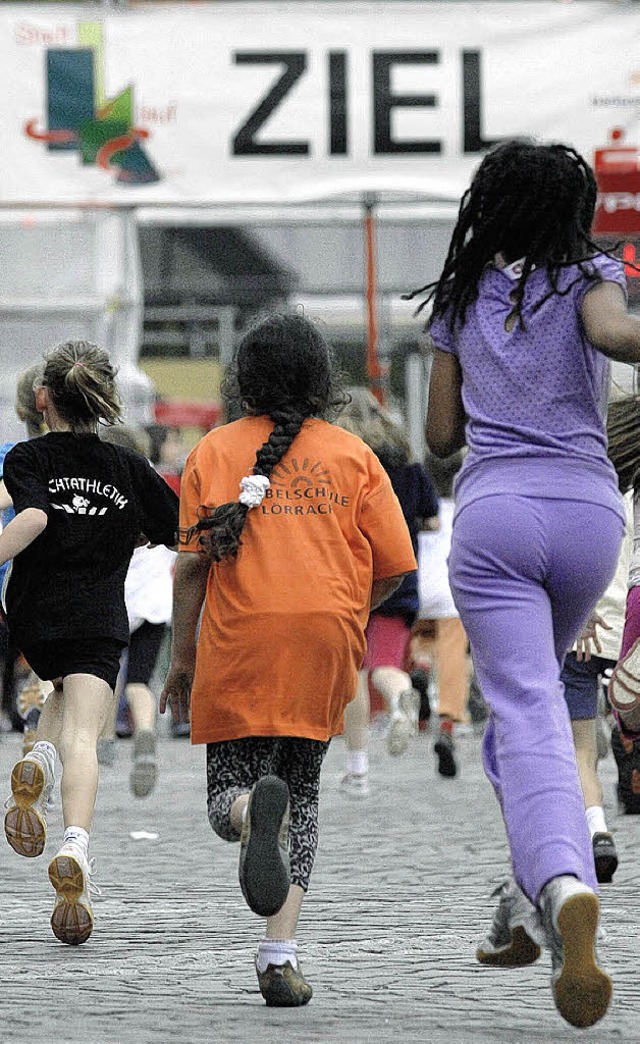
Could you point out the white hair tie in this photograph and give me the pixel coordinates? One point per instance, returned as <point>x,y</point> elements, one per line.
<point>253,489</point>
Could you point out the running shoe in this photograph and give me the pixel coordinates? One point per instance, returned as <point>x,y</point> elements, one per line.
<point>403,721</point>
<point>581,990</point>
<point>355,785</point>
<point>25,821</point>
<point>106,750</point>
<point>284,986</point>
<point>263,871</point>
<point>605,857</point>
<point>70,874</point>
<point>515,936</point>
<point>144,771</point>
<point>444,749</point>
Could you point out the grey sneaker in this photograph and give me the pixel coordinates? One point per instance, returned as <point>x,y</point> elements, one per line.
<point>403,722</point>
<point>145,764</point>
<point>284,986</point>
<point>263,871</point>
<point>581,990</point>
<point>25,821</point>
<point>515,936</point>
<point>106,749</point>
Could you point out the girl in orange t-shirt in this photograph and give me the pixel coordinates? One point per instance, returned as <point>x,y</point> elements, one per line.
<point>284,575</point>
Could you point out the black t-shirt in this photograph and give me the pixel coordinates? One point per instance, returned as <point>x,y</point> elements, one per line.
<point>98,498</point>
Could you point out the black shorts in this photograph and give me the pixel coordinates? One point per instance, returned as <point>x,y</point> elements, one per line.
<point>581,680</point>
<point>64,656</point>
<point>144,648</point>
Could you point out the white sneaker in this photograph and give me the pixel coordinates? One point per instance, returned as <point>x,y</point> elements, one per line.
<point>403,722</point>
<point>70,874</point>
<point>581,990</point>
<point>355,785</point>
<point>25,821</point>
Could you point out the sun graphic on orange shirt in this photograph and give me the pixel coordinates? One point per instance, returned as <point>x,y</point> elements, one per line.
<point>300,473</point>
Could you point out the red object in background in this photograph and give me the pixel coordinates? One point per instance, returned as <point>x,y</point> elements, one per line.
<point>617,171</point>
<point>172,478</point>
<point>187,413</point>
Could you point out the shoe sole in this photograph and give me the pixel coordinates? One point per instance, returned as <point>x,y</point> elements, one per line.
<point>24,827</point>
<point>71,920</point>
<point>143,778</point>
<point>447,766</point>
<point>582,991</point>
<point>280,995</point>
<point>145,767</point>
<point>521,951</point>
<point>264,878</point>
<point>606,865</point>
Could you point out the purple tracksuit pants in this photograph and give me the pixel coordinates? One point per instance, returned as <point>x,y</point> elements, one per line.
<point>525,574</point>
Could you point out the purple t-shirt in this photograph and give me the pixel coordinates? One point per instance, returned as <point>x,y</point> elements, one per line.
<point>535,399</point>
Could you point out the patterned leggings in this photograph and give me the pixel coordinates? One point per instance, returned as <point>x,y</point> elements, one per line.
<point>233,766</point>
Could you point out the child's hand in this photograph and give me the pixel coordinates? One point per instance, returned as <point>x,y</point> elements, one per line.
<point>589,635</point>
<point>177,691</point>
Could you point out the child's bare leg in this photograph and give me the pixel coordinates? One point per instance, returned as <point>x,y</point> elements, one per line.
<point>143,706</point>
<point>85,705</point>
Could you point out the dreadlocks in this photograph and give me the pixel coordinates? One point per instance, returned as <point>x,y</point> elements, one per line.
<point>525,201</point>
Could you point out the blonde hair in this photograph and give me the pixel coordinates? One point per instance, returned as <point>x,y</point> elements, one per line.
<point>26,400</point>
<point>81,381</point>
<point>366,417</point>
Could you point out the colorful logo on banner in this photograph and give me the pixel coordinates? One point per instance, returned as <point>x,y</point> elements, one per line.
<point>82,119</point>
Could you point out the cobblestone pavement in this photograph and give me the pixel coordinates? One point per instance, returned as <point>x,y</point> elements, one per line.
<point>399,899</point>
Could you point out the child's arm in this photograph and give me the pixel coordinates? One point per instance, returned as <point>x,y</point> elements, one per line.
<point>21,531</point>
<point>608,324</point>
<point>5,499</point>
<point>445,413</point>
<point>384,588</point>
<point>189,589</point>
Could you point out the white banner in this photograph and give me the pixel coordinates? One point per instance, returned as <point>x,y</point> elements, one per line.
<point>283,103</point>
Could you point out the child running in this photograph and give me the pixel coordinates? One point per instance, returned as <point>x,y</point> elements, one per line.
<point>81,506</point>
<point>524,315</point>
<point>389,627</point>
<point>290,535</point>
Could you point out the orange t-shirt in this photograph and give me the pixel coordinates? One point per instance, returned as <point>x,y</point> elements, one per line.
<point>282,630</point>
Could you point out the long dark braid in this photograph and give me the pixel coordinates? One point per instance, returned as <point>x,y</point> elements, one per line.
<point>220,531</point>
<point>525,200</point>
<point>283,370</point>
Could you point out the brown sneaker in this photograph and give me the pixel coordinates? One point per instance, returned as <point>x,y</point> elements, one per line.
<point>70,874</point>
<point>25,821</point>
<point>284,986</point>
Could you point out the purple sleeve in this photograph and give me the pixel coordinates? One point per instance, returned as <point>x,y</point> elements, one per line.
<point>441,334</point>
<point>610,270</point>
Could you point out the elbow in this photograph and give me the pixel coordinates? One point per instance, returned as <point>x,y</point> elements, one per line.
<point>39,520</point>
<point>443,444</point>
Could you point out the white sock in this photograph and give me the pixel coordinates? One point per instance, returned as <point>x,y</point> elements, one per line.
<point>48,751</point>
<point>276,951</point>
<point>79,836</point>
<point>357,762</point>
<point>595,820</point>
